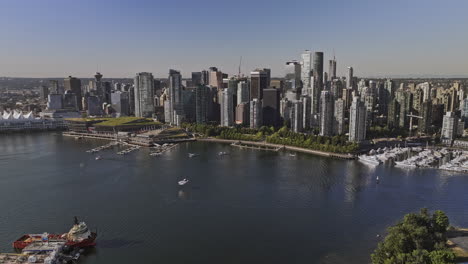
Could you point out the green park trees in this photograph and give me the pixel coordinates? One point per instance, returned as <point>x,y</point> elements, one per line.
<point>417,239</point>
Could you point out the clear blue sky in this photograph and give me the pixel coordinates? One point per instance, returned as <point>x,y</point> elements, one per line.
<point>55,38</point>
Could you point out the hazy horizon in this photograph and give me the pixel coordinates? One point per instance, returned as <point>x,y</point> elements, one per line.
<point>120,38</point>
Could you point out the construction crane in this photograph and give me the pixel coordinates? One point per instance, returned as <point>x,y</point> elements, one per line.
<point>411,121</point>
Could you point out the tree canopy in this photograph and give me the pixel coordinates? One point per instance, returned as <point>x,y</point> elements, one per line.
<point>420,238</point>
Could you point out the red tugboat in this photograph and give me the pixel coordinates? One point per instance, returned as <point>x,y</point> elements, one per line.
<point>79,236</point>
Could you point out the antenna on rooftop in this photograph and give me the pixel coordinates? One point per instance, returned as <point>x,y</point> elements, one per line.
<point>240,63</point>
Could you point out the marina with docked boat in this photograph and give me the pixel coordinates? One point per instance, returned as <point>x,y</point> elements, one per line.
<point>418,157</point>
<point>51,248</point>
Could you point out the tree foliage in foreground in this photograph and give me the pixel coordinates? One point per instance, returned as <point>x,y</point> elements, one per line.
<point>417,239</point>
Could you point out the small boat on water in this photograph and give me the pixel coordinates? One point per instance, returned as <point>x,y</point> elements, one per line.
<point>377,179</point>
<point>191,155</point>
<point>155,154</point>
<point>222,153</point>
<point>183,182</point>
<point>292,155</point>
<point>371,160</point>
<point>79,236</point>
<point>98,158</point>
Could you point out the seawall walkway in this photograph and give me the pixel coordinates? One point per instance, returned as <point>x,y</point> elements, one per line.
<point>291,148</point>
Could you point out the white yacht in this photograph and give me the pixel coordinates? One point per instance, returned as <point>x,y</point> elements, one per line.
<point>183,182</point>
<point>372,160</point>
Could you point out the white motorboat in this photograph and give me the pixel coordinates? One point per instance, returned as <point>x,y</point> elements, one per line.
<point>222,153</point>
<point>98,158</point>
<point>292,154</point>
<point>191,155</point>
<point>372,160</point>
<point>183,182</point>
<point>155,154</point>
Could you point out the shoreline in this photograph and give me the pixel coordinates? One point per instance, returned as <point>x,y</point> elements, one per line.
<point>230,141</point>
<point>286,147</point>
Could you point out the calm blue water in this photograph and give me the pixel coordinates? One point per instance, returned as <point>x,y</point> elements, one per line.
<point>249,207</point>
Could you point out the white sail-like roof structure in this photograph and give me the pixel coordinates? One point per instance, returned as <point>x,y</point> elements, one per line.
<point>16,116</point>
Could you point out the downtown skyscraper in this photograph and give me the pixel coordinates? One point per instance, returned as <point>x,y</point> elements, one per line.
<point>306,68</point>
<point>144,94</point>
<point>357,121</point>
<point>326,113</point>
<point>173,108</point>
<point>318,81</point>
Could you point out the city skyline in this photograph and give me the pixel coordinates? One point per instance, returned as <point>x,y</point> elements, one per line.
<point>121,38</point>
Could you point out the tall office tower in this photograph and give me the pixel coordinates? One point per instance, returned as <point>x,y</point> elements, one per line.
<point>188,107</point>
<point>205,77</point>
<point>117,87</point>
<point>306,68</point>
<point>292,77</point>
<point>393,119</point>
<point>424,124</point>
<point>297,116</point>
<point>243,92</point>
<point>74,85</point>
<point>214,107</point>
<point>202,95</point>
<point>389,87</point>
<point>227,108</point>
<point>216,78</point>
<point>44,92</point>
<point>404,99</point>
<point>259,80</point>
<point>332,69</point>
<point>196,79</point>
<point>54,87</point>
<point>144,94</point>
<point>306,111</point>
<point>232,84</point>
<point>383,98</point>
<point>418,97</point>
<point>120,103</point>
<point>370,102</point>
<point>70,101</point>
<point>285,111</point>
<point>336,88</point>
<point>318,81</point>
<point>464,109</point>
<point>362,87</point>
<point>426,88</point>
<point>347,98</point>
<point>350,78</point>
<point>243,113</point>
<point>94,107</point>
<point>55,101</point>
<point>91,87</point>
<point>106,92</point>
<point>131,99</point>
<point>175,96</point>
<point>325,80</point>
<point>256,116</point>
<point>449,126</point>
<point>271,107</point>
<point>327,104</point>
<point>357,121</point>
<point>339,117</point>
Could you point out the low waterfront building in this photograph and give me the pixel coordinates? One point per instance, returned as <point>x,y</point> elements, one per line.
<point>18,121</point>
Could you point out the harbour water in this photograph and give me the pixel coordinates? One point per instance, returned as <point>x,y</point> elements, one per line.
<point>247,207</point>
